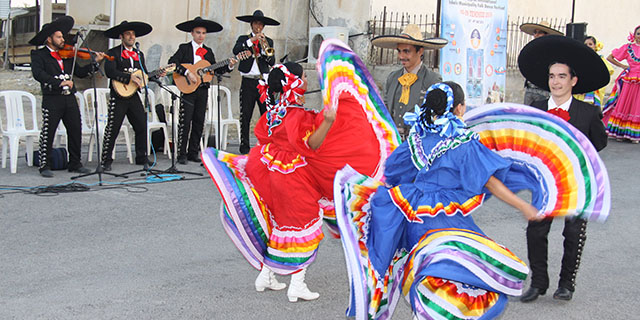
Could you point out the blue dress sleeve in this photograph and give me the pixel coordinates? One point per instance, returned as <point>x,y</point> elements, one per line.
<point>399,168</point>
<point>478,164</point>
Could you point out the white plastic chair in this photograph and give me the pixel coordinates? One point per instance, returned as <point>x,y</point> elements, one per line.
<point>165,98</point>
<point>154,123</point>
<point>15,127</point>
<point>211,118</point>
<point>103,117</point>
<point>86,121</point>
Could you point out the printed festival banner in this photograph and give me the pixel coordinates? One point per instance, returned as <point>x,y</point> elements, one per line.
<point>476,55</point>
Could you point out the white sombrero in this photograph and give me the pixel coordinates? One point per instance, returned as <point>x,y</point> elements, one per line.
<point>410,35</point>
<point>545,26</point>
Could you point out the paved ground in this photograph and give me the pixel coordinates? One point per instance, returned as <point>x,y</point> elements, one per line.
<point>158,251</point>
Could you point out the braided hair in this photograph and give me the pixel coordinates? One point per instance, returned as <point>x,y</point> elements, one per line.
<point>435,102</point>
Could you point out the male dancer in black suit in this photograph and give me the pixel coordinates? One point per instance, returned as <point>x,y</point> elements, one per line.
<point>579,71</point>
<point>192,115</point>
<point>127,60</point>
<point>58,99</point>
<point>252,70</point>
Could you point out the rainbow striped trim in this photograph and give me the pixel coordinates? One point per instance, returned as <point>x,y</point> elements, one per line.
<point>247,228</point>
<point>421,159</point>
<point>339,70</point>
<point>276,165</point>
<point>452,208</point>
<point>497,268</point>
<point>572,179</point>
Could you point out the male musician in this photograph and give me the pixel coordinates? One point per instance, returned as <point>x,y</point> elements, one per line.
<point>127,60</point>
<point>407,86</point>
<point>252,70</point>
<point>563,66</point>
<point>192,115</point>
<point>531,91</point>
<point>58,99</point>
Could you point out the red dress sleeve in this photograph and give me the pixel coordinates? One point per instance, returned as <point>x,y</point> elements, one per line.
<point>300,124</point>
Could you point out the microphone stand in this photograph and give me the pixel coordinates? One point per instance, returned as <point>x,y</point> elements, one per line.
<point>219,77</point>
<point>145,168</point>
<point>174,152</point>
<point>99,171</point>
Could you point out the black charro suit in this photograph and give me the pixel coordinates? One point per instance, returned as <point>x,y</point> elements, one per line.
<point>56,106</point>
<point>248,89</point>
<point>588,119</point>
<point>120,70</point>
<point>192,116</point>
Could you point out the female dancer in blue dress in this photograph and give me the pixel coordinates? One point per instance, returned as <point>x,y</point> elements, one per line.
<point>416,235</point>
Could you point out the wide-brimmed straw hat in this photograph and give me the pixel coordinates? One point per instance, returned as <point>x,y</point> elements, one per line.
<point>62,24</point>
<point>538,54</point>
<point>410,35</point>
<point>140,28</point>
<point>189,25</point>
<point>530,28</point>
<point>259,16</point>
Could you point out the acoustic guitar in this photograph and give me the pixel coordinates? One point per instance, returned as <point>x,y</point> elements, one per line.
<point>126,90</point>
<point>203,71</point>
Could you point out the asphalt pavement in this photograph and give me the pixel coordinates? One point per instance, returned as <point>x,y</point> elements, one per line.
<point>139,249</point>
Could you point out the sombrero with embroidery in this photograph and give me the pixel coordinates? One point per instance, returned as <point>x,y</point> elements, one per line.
<point>189,25</point>
<point>538,54</point>
<point>412,35</point>
<point>140,28</point>
<point>530,28</point>
<point>62,24</point>
<point>258,15</point>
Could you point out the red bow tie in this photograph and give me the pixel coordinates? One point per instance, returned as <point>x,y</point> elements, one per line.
<point>130,54</point>
<point>560,113</point>
<point>56,55</point>
<point>201,52</point>
<point>256,46</point>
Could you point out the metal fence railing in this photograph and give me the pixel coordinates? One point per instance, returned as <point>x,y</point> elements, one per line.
<point>391,23</point>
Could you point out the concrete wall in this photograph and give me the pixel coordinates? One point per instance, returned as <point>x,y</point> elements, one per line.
<point>353,15</point>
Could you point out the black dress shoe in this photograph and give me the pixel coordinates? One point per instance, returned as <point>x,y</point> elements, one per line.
<point>144,161</point>
<point>563,294</point>
<point>82,170</point>
<point>106,167</point>
<point>182,160</point>
<point>244,150</point>
<point>532,294</point>
<point>46,173</point>
<point>194,159</point>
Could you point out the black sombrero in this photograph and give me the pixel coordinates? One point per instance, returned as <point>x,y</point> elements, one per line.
<point>140,28</point>
<point>538,54</point>
<point>188,26</point>
<point>62,24</point>
<point>259,16</point>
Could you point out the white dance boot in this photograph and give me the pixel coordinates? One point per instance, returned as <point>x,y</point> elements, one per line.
<point>298,289</point>
<point>267,280</point>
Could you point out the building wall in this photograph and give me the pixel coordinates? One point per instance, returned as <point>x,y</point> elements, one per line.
<point>290,37</point>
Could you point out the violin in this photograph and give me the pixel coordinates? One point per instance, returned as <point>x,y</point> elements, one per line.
<point>69,52</point>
